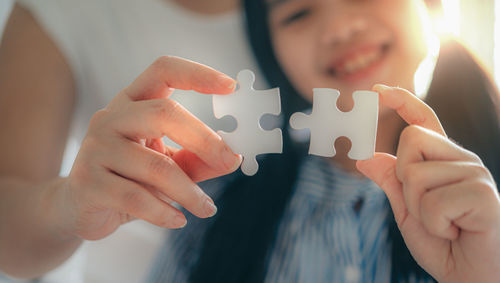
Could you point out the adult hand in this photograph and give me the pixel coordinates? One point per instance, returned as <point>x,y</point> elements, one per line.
<point>124,171</point>
<point>444,200</point>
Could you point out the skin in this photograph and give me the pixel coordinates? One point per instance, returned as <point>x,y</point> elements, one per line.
<point>208,8</point>
<point>328,32</point>
<point>445,201</point>
<point>122,171</point>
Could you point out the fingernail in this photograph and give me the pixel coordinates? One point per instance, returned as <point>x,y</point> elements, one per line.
<point>210,208</point>
<point>231,160</point>
<point>179,221</point>
<point>381,87</point>
<point>227,82</point>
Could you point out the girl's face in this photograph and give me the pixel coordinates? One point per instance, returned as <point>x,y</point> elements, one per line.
<point>348,44</point>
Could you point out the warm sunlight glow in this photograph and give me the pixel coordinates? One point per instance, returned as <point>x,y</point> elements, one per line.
<point>449,21</point>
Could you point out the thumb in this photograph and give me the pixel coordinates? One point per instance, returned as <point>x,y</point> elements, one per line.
<point>381,169</point>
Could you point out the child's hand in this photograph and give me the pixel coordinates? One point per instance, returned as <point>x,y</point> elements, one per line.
<point>445,201</point>
<point>123,169</point>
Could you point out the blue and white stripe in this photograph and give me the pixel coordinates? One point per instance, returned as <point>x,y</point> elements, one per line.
<point>321,237</point>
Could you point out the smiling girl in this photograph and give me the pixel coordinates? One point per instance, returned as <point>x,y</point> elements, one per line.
<point>422,209</point>
<point>311,219</point>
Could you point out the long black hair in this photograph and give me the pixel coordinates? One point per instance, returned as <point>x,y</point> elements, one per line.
<point>237,244</point>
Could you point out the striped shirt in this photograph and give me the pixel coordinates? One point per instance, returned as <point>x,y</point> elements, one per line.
<point>334,229</point>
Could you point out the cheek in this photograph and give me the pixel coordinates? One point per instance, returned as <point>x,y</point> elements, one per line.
<point>411,32</point>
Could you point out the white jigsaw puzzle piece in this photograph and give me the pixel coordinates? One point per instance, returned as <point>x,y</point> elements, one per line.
<point>247,106</point>
<point>327,123</point>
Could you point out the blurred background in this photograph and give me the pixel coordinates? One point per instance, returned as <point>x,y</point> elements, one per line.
<point>475,22</point>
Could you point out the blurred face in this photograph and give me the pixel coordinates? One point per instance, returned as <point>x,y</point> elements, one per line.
<point>348,44</point>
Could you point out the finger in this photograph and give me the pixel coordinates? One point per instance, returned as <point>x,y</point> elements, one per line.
<point>160,195</point>
<point>413,110</point>
<point>127,196</point>
<point>418,178</point>
<point>169,72</point>
<point>193,166</point>
<point>161,172</point>
<point>196,168</point>
<point>382,170</point>
<point>157,145</point>
<point>465,205</point>
<point>156,118</point>
<point>418,144</point>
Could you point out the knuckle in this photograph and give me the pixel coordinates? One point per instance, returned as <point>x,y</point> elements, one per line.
<point>474,157</point>
<point>90,144</point>
<point>410,134</point>
<point>162,61</point>
<point>166,109</point>
<point>98,119</point>
<point>161,165</point>
<point>479,170</point>
<point>484,189</point>
<point>486,194</point>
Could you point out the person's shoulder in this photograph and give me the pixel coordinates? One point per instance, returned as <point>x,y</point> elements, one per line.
<point>79,8</point>
<point>23,29</point>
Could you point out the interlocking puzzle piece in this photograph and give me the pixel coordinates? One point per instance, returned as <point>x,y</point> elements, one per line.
<point>247,106</point>
<point>327,123</point>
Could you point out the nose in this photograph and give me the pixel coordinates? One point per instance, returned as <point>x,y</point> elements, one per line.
<point>342,25</point>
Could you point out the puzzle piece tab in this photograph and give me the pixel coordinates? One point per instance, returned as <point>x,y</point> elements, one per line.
<point>327,123</point>
<point>247,106</point>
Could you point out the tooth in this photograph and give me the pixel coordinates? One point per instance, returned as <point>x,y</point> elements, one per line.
<point>363,61</point>
<point>359,62</point>
<point>350,66</point>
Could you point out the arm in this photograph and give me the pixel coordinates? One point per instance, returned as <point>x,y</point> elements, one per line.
<point>36,100</point>
<point>123,170</point>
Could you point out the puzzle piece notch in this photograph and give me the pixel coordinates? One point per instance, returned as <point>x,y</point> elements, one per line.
<point>247,106</point>
<point>327,123</point>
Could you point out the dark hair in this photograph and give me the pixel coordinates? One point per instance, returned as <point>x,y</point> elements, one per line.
<point>467,102</point>
<point>237,244</point>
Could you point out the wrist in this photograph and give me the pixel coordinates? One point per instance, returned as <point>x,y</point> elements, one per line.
<point>31,217</point>
<point>55,205</point>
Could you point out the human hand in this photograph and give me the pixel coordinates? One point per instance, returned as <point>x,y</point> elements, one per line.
<point>444,200</point>
<point>124,171</point>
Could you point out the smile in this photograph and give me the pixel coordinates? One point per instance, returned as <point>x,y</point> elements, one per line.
<point>359,63</point>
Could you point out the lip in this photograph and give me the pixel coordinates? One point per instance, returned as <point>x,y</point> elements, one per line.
<point>363,73</point>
